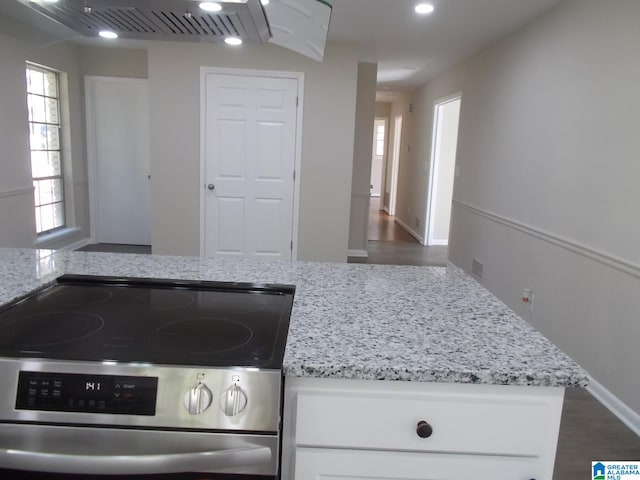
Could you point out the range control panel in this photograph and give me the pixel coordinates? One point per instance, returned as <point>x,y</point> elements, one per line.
<point>70,392</point>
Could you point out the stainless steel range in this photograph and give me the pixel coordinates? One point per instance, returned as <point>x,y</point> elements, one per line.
<point>125,377</point>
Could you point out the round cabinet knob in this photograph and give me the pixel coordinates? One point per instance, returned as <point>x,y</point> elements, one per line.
<point>233,401</point>
<point>423,429</point>
<point>211,186</point>
<point>198,399</point>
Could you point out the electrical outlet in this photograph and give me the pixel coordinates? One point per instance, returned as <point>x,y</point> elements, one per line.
<point>527,298</point>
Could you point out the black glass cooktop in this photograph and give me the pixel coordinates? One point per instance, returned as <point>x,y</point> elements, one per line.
<point>172,322</point>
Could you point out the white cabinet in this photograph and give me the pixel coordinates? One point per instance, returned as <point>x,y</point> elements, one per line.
<point>355,429</point>
<point>321,464</point>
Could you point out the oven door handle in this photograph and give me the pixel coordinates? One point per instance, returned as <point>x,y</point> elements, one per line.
<point>204,461</point>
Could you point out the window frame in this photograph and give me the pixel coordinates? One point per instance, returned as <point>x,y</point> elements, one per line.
<point>55,192</point>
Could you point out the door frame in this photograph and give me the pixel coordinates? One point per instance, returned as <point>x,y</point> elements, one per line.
<point>383,173</point>
<point>299,76</point>
<point>91,140</point>
<point>398,121</point>
<point>432,187</point>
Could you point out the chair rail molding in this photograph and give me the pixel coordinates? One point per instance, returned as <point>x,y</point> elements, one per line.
<point>16,192</point>
<point>567,244</point>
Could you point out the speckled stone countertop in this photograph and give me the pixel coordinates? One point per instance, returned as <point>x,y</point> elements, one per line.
<point>427,324</point>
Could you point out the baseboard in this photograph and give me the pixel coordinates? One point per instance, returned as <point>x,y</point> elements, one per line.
<point>626,415</point>
<point>442,243</point>
<point>358,253</point>
<point>410,230</point>
<point>76,245</point>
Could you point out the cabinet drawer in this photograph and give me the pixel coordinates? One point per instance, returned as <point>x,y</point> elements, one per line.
<point>362,465</point>
<point>486,420</point>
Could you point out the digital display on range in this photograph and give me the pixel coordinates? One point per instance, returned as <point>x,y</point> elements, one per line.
<point>71,392</point>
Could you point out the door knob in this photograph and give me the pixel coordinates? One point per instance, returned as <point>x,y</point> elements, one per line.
<point>424,430</point>
<point>211,186</point>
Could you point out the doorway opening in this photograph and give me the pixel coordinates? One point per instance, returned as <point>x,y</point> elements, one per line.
<point>391,181</point>
<point>378,156</point>
<point>446,119</point>
<point>384,179</point>
<point>118,160</point>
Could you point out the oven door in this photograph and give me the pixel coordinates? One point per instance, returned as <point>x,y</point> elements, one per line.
<point>98,451</point>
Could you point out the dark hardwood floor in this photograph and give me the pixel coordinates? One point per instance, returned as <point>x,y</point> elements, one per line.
<point>382,227</point>
<point>389,243</point>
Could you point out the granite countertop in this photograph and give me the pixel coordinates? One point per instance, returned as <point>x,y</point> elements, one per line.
<point>384,322</point>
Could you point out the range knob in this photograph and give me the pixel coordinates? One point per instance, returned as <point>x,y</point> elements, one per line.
<point>233,401</point>
<point>198,399</point>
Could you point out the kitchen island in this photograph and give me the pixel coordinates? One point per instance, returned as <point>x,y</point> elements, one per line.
<point>413,342</point>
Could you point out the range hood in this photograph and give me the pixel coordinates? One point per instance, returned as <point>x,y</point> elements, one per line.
<point>301,25</point>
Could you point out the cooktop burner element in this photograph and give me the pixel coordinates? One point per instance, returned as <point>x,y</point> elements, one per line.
<point>171,322</point>
<point>54,328</point>
<point>201,336</point>
<point>82,297</point>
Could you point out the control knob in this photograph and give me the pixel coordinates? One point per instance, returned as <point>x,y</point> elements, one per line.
<point>198,399</point>
<point>233,401</point>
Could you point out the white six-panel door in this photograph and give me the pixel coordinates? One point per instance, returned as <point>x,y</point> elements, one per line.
<point>248,166</point>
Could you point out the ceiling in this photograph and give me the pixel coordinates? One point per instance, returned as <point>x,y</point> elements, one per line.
<point>409,49</point>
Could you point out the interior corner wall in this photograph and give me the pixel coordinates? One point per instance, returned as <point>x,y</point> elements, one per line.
<point>16,187</point>
<point>362,152</point>
<point>547,196</point>
<point>327,141</point>
<point>399,108</point>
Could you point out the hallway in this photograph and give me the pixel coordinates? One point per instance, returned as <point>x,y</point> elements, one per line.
<point>390,244</point>
<point>382,227</point>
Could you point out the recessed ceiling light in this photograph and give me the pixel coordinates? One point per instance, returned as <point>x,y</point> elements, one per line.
<point>264,2</point>
<point>108,34</point>
<point>235,41</point>
<point>424,8</point>
<point>210,6</point>
<point>50,1</point>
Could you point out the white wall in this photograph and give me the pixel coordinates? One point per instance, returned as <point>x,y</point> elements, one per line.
<point>383,109</point>
<point>409,170</point>
<point>16,189</point>
<point>17,222</point>
<point>327,142</point>
<point>362,149</point>
<point>548,193</point>
<point>114,62</point>
<point>399,109</point>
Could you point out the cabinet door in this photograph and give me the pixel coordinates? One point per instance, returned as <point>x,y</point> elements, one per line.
<point>321,464</point>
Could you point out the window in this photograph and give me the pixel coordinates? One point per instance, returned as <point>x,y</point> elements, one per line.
<point>380,140</point>
<point>43,102</point>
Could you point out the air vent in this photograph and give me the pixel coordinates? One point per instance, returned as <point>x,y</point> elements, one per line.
<point>159,19</point>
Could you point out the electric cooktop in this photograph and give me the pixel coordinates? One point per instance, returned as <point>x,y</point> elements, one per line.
<point>174,322</point>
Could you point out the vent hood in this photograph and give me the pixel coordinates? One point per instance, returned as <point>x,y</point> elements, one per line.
<point>300,25</point>
<point>158,19</point>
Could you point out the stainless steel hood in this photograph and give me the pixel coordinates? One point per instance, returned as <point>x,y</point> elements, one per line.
<point>159,19</point>
<point>299,25</point>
